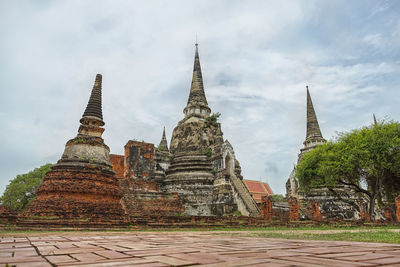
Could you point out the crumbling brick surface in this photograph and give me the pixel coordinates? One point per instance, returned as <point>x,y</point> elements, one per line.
<point>162,206</point>
<point>7,216</point>
<point>397,203</point>
<point>80,192</point>
<point>139,160</point>
<point>117,162</point>
<point>389,214</point>
<point>266,208</point>
<point>364,213</point>
<point>293,209</point>
<point>142,198</point>
<point>315,211</point>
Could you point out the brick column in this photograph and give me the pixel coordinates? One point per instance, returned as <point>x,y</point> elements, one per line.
<point>397,203</point>
<point>293,209</point>
<point>266,207</point>
<point>315,212</point>
<point>389,214</point>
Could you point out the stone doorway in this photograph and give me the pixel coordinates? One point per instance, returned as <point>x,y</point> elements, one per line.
<point>229,164</point>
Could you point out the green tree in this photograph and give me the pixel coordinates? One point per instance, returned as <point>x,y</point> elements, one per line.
<point>213,119</point>
<point>366,160</point>
<point>278,198</point>
<point>22,189</point>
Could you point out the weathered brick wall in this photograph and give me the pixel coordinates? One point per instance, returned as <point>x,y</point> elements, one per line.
<point>389,214</point>
<point>7,216</point>
<point>293,209</point>
<point>142,198</point>
<point>397,203</point>
<point>139,160</point>
<point>117,162</point>
<point>161,206</point>
<point>77,192</point>
<point>315,212</point>
<point>266,207</point>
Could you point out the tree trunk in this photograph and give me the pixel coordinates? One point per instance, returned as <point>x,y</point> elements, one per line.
<point>372,207</point>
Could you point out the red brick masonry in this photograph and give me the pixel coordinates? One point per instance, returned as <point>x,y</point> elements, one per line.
<point>266,207</point>
<point>117,162</point>
<point>83,192</point>
<point>397,202</point>
<point>293,209</point>
<point>315,212</point>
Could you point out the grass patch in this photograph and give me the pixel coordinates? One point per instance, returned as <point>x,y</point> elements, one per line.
<point>270,231</point>
<point>377,236</point>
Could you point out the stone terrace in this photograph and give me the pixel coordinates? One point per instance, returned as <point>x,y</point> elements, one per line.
<point>186,248</point>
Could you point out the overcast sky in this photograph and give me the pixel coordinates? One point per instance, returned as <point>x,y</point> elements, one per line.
<point>256,56</point>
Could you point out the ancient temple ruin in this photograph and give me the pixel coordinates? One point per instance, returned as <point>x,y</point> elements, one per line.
<point>81,187</point>
<point>199,170</point>
<point>322,198</point>
<point>204,170</point>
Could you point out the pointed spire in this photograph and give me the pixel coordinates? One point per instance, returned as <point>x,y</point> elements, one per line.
<point>375,121</point>
<point>313,131</point>
<point>163,144</point>
<point>93,109</point>
<point>197,96</point>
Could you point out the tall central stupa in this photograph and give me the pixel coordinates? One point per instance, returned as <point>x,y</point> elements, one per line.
<point>203,170</point>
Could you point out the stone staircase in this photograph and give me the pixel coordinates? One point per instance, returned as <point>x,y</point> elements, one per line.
<point>244,193</point>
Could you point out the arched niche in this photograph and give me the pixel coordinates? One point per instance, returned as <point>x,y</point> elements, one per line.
<point>229,163</point>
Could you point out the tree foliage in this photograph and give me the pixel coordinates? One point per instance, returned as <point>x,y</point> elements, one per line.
<point>22,189</point>
<point>366,160</point>
<point>278,198</point>
<point>213,119</point>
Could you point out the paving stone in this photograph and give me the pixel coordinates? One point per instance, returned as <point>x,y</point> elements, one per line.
<point>87,257</point>
<point>60,259</point>
<point>188,248</point>
<point>385,261</point>
<point>240,262</point>
<point>34,264</point>
<point>200,258</point>
<point>281,262</point>
<point>113,262</point>
<point>110,254</point>
<point>155,252</point>
<point>328,262</point>
<point>341,255</point>
<point>170,260</point>
<point>366,257</point>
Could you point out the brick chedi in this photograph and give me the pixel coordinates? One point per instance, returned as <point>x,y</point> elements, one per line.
<point>82,185</point>
<point>330,205</point>
<point>203,170</point>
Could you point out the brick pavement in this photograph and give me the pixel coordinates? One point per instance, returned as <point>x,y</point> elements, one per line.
<point>185,249</point>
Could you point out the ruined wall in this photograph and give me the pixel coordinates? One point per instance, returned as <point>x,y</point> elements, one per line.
<point>77,192</point>
<point>397,203</point>
<point>117,162</point>
<point>389,214</point>
<point>223,199</point>
<point>293,209</point>
<point>330,206</point>
<point>266,207</point>
<point>139,160</point>
<point>142,198</point>
<point>7,216</point>
<point>315,212</point>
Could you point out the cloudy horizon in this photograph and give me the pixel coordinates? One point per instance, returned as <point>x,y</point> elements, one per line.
<point>256,56</point>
